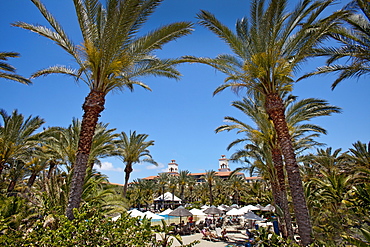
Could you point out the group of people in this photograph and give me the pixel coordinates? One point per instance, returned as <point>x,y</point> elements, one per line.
<point>208,234</point>
<point>209,224</point>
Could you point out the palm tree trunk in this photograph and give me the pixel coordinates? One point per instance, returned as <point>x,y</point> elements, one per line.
<point>1,168</point>
<point>51,168</point>
<point>11,186</point>
<point>128,170</point>
<point>275,109</point>
<point>93,106</point>
<point>32,179</point>
<point>182,194</point>
<point>283,199</point>
<point>210,194</point>
<point>162,197</point>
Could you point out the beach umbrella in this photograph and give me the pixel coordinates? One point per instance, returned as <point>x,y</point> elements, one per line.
<point>153,216</point>
<point>204,207</point>
<point>248,208</point>
<point>269,207</point>
<point>166,212</point>
<point>197,212</point>
<point>180,211</point>
<point>135,213</point>
<point>222,207</point>
<point>213,210</point>
<point>259,207</point>
<point>252,216</point>
<point>235,212</point>
<point>115,218</point>
<point>168,196</point>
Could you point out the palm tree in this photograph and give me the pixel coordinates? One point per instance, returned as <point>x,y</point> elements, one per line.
<point>183,180</point>
<point>18,137</point>
<point>209,178</point>
<point>268,49</point>
<point>236,185</point>
<point>103,144</point>
<point>38,164</point>
<point>359,154</point>
<point>191,184</point>
<point>110,58</point>
<point>264,148</point>
<point>355,45</point>
<point>163,180</point>
<point>132,149</point>
<point>172,186</point>
<point>10,70</point>
<point>201,190</point>
<point>61,144</point>
<point>146,191</point>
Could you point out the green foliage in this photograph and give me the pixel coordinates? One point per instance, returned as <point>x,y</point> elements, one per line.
<point>167,237</point>
<point>14,212</point>
<point>356,241</point>
<point>89,228</point>
<point>265,238</point>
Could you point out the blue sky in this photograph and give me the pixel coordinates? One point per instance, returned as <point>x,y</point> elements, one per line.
<point>180,116</point>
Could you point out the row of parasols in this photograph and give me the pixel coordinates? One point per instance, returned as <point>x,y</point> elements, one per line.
<point>180,211</point>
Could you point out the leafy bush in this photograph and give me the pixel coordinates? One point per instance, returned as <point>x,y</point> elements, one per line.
<point>89,228</point>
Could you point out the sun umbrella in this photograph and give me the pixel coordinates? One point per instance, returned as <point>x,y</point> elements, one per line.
<point>180,211</point>
<point>153,216</point>
<point>269,207</point>
<point>198,212</point>
<point>115,218</point>
<point>222,207</point>
<point>252,216</point>
<point>235,212</point>
<point>213,210</point>
<point>248,208</point>
<point>166,212</point>
<point>135,213</point>
<point>259,207</point>
<point>234,206</point>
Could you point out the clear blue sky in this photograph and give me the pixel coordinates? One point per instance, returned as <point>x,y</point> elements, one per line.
<point>179,115</point>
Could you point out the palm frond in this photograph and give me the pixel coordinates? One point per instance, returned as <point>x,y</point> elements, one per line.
<point>223,32</point>
<point>56,70</point>
<point>157,38</point>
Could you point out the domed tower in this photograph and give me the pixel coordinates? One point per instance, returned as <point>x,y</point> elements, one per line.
<point>173,168</point>
<point>223,164</point>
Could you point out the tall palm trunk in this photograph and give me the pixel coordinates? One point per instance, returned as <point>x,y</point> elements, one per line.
<point>128,170</point>
<point>282,201</point>
<point>182,194</point>
<point>32,179</point>
<point>275,109</point>
<point>51,168</point>
<point>210,194</point>
<point>2,166</point>
<point>162,197</point>
<point>93,106</point>
<point>11,185</point>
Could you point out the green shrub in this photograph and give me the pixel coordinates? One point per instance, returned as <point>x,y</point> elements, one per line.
<point>88,229</point>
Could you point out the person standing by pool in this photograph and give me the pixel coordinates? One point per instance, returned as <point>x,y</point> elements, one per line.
<point>191,220</point>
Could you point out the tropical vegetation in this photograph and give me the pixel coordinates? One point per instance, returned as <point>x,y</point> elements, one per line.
<point>111,58</point>
<point>7,71</point>
<point>52,195</point>
<point>268,48</point>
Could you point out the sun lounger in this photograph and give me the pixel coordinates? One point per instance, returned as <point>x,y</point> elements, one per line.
<point>209,237</point>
